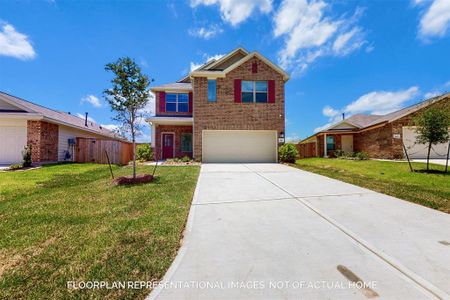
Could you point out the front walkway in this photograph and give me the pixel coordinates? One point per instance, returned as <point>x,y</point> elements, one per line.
<point>268,231</point>
<point>435,161</point>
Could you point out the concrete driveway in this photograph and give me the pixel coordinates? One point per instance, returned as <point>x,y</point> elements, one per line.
<point>268,231</point>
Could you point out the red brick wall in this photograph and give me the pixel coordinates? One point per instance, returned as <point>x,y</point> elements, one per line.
<point>178,130</point>
<point>225,114</point>
<point>164,113</point>
<point>43,138</point>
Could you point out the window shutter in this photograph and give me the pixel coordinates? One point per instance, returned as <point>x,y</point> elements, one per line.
<point>162,101</point>
<point>190,102</point>
<point>237,91</point>
<point>271,90</point>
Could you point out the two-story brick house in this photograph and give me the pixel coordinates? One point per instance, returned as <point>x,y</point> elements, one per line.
<point>228,110</point>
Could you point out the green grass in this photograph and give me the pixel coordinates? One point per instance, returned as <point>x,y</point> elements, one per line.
<point>391,178</point>
<point>68,222</point>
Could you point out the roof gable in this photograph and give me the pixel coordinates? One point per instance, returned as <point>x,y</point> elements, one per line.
<point>228,60</point>
<point>7,106</point>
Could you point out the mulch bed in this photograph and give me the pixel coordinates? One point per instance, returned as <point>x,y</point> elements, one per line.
<point>126,180</point>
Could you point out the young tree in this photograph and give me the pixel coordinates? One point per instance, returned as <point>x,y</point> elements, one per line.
<point>127,97</point>
<point>432,128</point>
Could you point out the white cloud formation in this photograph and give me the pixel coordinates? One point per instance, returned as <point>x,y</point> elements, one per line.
<point>309,34</point>
<point>375,103</point>
<point>236,11</point>
<point>83,116</point>
<point>112,127</point>
<point>207,32</point>
<point>436,20</point>
<point>328,111</point>
<point>94,101</point>
<point>381,102</point>
<point>14,43</point>
<point>206,58</point>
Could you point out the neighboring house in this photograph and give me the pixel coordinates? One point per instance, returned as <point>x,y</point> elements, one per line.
<point>381,136</point>
<point>51,133</point>
<point>228,110</point>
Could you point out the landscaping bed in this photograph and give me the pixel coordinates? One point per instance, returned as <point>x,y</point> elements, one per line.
<point>68,222</point>
<point>391,178</point>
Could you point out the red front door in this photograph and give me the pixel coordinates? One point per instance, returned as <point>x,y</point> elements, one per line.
<point>167,140</point>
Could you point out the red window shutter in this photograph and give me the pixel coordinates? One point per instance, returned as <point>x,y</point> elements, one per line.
<point>271,90</point>
<point>190,102</point>
<point>254,67</point>
<point>237,91</point>
<point>162,101</point>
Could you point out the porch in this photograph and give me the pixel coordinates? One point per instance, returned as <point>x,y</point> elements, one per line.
<point>171,137</point>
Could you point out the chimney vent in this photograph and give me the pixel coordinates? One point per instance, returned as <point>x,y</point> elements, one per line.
<point>85,120</point>
<point>343,116</point>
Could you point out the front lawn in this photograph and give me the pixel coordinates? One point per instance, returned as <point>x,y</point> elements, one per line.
<point>67,222</point>
<point>391,178</point>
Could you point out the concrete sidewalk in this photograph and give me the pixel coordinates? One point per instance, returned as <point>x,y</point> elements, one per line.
<point>268,231</point>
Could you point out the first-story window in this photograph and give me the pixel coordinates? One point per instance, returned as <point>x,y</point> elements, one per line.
<point>211,90</point>
<point>254,91</point>
<point>177,102</point>
<point>331,145</point>
<point>186,142</point>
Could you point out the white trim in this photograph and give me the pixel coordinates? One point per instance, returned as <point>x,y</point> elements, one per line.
<point>226,57</point>
<point>16,104</point>
<point>170,90</point>
<point>162,143</point>
<point>24,115</point>
<point>170,120</point>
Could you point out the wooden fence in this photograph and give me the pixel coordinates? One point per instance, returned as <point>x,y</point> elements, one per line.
<point>93,150</point>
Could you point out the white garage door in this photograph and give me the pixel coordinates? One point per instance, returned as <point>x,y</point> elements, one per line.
<point>420,150</point>
<point>12,141</point>
<point>239,146</point>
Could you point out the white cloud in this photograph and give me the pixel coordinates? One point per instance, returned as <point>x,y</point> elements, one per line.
<point>112,127</point>
<point>293,138</point>
<point>447,83</point>
<point>206,32</point>
<point>94,101</point>
<point>236,11</point>
<point>206,58</point>
<point>309,34</point>
<point>329,111</point>
<point>14,43</point>
<point>431,94</point>
<point>83,116</point>
<point>381,102</point>
<point>436,20</point>
<point>376,103</point>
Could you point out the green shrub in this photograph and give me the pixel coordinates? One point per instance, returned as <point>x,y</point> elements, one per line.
<point>26,155</point>
<point>186,159</point>
<point>362,155</point>
<point>287,153</point>
<point>144,152</point>
<point>339,153</point>
<point>15,167</point>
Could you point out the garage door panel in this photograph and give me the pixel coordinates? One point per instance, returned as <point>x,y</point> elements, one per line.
<point>12,141</point>
<point>223,146</point>
<point>418,151</point>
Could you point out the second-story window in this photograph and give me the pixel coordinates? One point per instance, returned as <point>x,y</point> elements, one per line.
<point>177,102</point>
<point>254,91</point>
<point>211,90</point>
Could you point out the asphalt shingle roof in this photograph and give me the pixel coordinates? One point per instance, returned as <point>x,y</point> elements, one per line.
<point>59,116</point>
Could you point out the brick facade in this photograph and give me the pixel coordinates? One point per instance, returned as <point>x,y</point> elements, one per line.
<point>178,131</point>
<point>225,114</point>
<point>43,138</point>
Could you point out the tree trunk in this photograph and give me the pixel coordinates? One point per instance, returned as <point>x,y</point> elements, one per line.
<point>134,152</point>
<point>428,156</point>
<point>448,154</point>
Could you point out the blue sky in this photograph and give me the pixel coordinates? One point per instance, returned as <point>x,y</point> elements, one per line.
<point>343,56</point>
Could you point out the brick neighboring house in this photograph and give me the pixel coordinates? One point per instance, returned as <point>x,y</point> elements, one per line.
<point>228,110</point>
<point>49,132</point>
<point>381,136</point>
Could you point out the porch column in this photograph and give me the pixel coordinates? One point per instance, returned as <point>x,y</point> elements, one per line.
<point>325,154</point>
